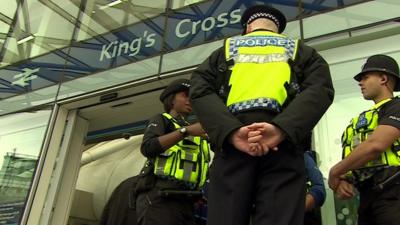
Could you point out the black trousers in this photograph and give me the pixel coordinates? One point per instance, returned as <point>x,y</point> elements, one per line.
<point>313,217</point>
<point>274,184</point>
<point>152,209</point>
<point>379,208</point>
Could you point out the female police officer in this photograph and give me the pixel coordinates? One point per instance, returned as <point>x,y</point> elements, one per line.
<point>177,163</point>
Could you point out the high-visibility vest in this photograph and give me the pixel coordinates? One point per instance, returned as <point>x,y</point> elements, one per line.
<point>358,131</point>
<point>260,70</point>
<point>187,161</point>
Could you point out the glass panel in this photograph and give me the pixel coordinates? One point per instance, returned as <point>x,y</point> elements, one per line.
<point>350,17</point>
<point>40,27</point>
<point>29,100</point>
<point>312,7</point>
<point>325,23</point>
<point>188,57</point>
<point>119,75</point>
<point>176,4</point>
<point>368,13</point>
<point>21,137</point>
<point>102,16</point>
<point>293,29</point>
<point>9,9</point>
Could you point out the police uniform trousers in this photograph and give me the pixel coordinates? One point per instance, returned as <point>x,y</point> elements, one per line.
<point>274,184</point>
<point>313,217</point>
<point>153,209</point>
<point>379,207</point>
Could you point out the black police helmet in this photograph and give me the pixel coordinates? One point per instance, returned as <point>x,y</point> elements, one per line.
<point>264,11</point>
<point>174,87</point>
<point>381,63</point>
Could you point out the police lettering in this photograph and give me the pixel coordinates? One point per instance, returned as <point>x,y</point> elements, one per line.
<point>261,41</point>
<point>186,27</point>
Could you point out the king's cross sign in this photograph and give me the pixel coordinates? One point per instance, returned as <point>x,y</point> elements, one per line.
<point>25,77</point>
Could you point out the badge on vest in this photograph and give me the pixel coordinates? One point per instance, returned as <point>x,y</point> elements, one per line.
<point>362,121</point>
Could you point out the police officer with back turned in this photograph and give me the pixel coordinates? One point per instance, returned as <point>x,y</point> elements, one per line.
<point>257,97</point>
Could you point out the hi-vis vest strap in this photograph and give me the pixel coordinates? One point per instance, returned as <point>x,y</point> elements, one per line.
<point>187,161</point>
<point>260,70</point>
<point>357,131</point>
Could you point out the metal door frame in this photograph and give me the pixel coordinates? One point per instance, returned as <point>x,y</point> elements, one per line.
<point>54,183</point>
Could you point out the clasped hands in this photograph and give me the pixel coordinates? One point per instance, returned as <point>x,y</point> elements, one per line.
<point>257,139</point>
<point>343,189</point>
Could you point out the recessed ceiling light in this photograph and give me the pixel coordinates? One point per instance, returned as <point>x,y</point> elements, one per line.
<point>111,4</point>
<point>25,39</point>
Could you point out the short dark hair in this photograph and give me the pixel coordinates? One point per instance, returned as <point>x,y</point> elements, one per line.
<point>168,103</point>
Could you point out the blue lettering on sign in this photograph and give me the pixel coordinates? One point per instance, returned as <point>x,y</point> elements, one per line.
<point>188,27</point>
<point>132,48</point>
<point>208,21</point>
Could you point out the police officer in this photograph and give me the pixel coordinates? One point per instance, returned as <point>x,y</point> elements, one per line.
<point>177,165</point>
<point>371,145</point>
<point>257,97</point>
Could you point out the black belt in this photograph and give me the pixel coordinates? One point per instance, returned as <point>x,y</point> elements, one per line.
<point>392,180</point>
<point>181,193</point>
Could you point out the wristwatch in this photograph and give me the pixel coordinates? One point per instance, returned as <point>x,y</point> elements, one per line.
<point>183,131</point>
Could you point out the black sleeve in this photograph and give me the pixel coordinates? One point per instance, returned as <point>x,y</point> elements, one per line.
<point>210,109</point>
<point>156,127</point>
<point>307,108</point>
<point>390,114</point>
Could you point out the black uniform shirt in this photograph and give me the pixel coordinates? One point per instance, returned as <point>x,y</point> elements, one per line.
<point>390,114</point>
<point>158,126</point>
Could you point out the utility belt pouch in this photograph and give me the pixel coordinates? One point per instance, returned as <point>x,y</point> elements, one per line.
<point>146,178</point>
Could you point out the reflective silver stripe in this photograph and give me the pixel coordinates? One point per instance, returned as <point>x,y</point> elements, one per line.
<point>160,166</point>
<point>190,138</point>
<point>188,156</point>
<point>259,103</point>
<point>254,58</point>
<point>187,170</point>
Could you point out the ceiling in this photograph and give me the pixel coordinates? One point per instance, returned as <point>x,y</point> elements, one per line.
<point>133,104</point>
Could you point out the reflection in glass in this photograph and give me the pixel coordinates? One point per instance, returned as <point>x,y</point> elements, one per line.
<point>35,27</point>
<point>176,4</point>
<point>21,137</point>
<point>102,16</point>
<point>41,26</point>
<point>107,78</point>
